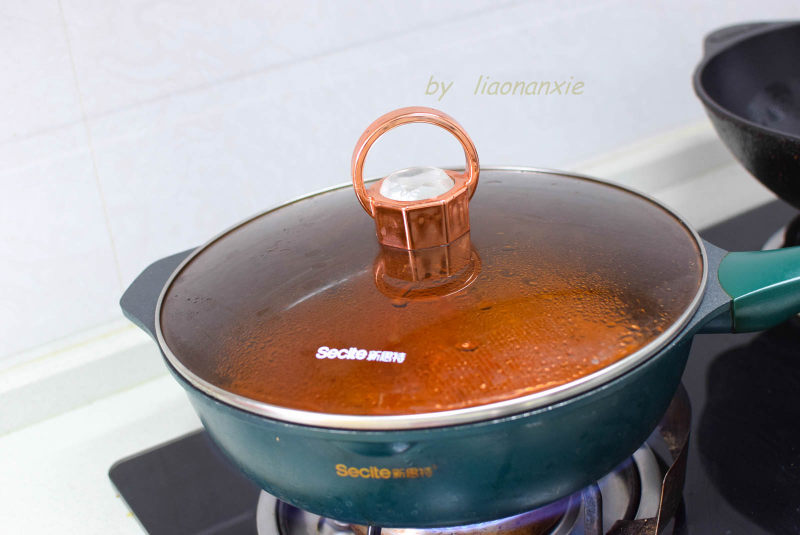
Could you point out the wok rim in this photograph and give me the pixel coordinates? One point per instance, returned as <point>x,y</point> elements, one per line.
<point>467,415</point>
<point>713,106</point>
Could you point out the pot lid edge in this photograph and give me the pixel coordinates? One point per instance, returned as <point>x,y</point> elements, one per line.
<point>462,416</point>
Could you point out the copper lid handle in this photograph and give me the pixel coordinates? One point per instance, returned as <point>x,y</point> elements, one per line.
<point>417,224</point>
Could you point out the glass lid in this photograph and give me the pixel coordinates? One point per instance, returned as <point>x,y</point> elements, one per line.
<point>302,314</point>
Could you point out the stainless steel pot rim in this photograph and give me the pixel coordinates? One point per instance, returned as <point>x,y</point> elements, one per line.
<point>463,416</point>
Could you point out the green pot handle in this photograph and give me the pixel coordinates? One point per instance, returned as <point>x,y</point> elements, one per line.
<point>764,287</point>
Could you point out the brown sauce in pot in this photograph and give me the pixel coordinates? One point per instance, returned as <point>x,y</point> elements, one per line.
<point>574,276</point>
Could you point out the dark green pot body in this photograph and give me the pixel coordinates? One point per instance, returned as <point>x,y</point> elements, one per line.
<point>469,473</point>
<point>465,473</point>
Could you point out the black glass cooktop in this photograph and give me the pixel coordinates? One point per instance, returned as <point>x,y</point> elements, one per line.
<point>743,474</point>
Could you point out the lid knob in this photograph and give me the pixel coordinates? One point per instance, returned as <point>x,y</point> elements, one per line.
<point>417,224</point>
<point>426,274</point>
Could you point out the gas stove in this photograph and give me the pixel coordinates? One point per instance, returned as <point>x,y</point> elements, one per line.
<point>738,471</point>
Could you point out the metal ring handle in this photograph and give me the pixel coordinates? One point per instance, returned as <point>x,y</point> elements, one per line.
<point>413,114</point>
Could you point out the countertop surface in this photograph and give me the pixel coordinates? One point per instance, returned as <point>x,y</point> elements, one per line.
<point>55,473</point>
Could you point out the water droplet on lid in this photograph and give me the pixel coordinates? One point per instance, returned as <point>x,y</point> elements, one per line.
<point>467,346</point>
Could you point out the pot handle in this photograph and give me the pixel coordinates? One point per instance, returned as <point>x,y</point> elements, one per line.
<point>722,37</point>
<point>764,287</point>
<point>139,301</point>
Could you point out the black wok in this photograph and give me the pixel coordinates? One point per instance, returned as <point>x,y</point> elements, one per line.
<point>749,83</point>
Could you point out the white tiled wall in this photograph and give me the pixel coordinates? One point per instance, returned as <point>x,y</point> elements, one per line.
<point>131,130</point>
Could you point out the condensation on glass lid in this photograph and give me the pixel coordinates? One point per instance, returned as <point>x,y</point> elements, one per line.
<point>574,276</point>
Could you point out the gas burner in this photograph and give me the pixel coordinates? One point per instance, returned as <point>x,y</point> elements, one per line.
<point>274,517</point>
<point>639,497</point>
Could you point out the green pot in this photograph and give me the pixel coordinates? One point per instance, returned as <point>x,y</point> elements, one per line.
<point>437,475</point>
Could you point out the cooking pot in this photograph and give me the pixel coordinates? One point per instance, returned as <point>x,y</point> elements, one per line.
<point>749,83</point>
<point>473,353</point>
